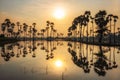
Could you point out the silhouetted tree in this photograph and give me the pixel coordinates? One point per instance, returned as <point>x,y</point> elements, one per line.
<point>86,21</point>
<point>18,26</point>
<point>3,27</point>
<point>43,32</point>
<point>54,32</point>
<point>115,20</point>
<point>101,20</point>
<point>8,24</point>
<point>92,21</point>
<point>12,27</point>
<point>34,30</point>
<point>110,16</point>
<point>25,29</point>
<point>30,31</point>
<point>51,26</point>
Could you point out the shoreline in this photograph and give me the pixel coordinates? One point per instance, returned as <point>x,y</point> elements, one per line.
<point>12,40</point>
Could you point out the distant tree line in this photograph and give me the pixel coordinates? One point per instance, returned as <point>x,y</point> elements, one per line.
<point>17,30</point>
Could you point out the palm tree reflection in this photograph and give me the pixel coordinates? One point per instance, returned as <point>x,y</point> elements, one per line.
<point>88,57</point>
<point>101,65</point>
<point>49,47</point>
<point>84,56</point>
<point>82,60</point>
<point>24,48</point>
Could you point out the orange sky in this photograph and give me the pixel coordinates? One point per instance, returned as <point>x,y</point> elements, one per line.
<point>40,11</point>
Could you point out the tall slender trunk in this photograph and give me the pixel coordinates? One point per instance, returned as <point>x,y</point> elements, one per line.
<point>93,32</point>
<point>75,34</point>
<point>87,33</point>
<point>110,33</point>
<point>114,32</point>
<point>43,34</point>
<point>18,28</point>
<point>80,31</point>
<point>51,33</point>
<point>24,35</point>
<point>83,32</point>
<point>47,33</point>
<point>100,39</point>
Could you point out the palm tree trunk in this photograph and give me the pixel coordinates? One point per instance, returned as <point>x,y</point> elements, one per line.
<point>51,34</point>
<point>100,39</point>
<point>80,31</point>
<point>114,33</point>
<point>87,33</point>
<point>83,32</point>
<point>47,33</point>
<point>93,32</point>
<point>110,32</point>
<point>24,35</point>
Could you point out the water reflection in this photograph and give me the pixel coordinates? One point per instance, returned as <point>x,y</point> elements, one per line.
<point>56,60</point>
<point>24,48</point>
<point>87,57</point>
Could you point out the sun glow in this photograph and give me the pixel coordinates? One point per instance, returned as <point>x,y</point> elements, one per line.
<point>59,13</point>
<point>58,63</point>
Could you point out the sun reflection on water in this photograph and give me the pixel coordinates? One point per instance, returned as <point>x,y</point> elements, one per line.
<point>58,63</point>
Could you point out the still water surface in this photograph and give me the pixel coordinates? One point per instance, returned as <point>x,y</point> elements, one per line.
<point>58,60</point>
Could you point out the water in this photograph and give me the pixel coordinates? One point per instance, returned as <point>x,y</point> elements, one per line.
<point>58,60</point>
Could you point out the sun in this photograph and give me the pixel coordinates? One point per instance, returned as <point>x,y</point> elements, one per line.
<point>59,13</point>
<point>58,63</point>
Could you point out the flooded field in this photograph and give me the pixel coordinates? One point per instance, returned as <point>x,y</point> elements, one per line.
<point>58,60</point>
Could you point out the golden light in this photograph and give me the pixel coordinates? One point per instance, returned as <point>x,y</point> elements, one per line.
<point>58,63</point>
<point>59,13</point>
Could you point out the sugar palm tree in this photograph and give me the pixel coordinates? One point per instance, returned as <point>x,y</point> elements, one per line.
<point>110,16</point>
<point>3,27</point>
<point>51,25</point>
<point>101,20</point>
<point>20,31</point>
<point>8,23</point>
<point>34,25</point>
<point>69,31</point>
<point>30,31</point>
<point>19,28</point>
<point>12,28</point>
<point>47,28</point>
<point>34,29</point>
<point>87,16</point>
<point>25,29</point>
<point>115,20</point>
<point>43,31</point>
<point>54,32</point>
<point>84,25</point>
<point>92,21</point>
<point>74,26</point>
<point>38,34</point>
<point>81,20</point>
<point>18,25</point>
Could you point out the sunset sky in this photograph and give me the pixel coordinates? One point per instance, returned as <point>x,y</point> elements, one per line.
<point>40,11</point>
